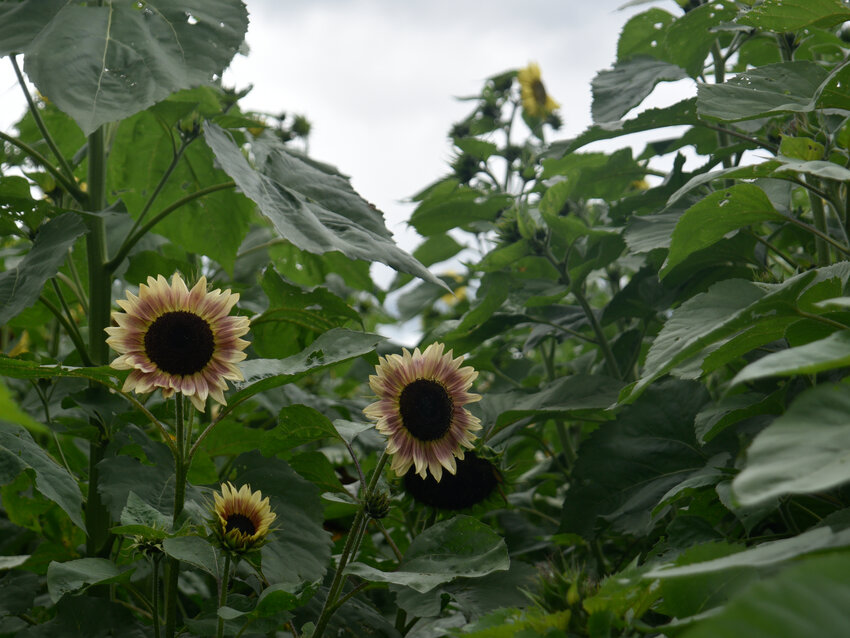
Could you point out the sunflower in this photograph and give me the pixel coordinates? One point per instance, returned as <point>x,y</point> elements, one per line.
<point>473,483</point>
<point>535,100</point>
<point>242,519</point>
<point>178,339</point>
<point>420,409</point>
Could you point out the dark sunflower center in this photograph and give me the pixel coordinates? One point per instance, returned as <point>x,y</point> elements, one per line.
<point>539,92</point>
<point>180,342</point>
<point>426,409</point>
<point>241,523</point>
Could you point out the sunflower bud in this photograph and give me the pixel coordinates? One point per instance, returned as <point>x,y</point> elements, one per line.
<point>377,504</point>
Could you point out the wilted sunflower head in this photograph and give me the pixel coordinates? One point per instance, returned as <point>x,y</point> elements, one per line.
<point>535,100</point>
<point>420,409</point>
<point>241,518</point>
<point>474,481</point>
<point>178,339</point>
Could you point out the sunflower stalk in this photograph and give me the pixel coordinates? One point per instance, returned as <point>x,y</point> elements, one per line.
<point>100,290</point>
<point>222,594</point>
<point>351,542</point>
<point>179,497</point>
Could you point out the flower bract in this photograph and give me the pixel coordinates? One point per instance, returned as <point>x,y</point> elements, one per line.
<point>242,517</point>
<point>535,100</point>
<point>420,409</point>
<point>179,340</point>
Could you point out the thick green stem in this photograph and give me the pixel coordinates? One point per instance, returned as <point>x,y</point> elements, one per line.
<point>360,520</point>
<point>155,595</point>
<point>222,594</point>
<point>819,216</point>
<point>100,289</point>
<point>179,497</point>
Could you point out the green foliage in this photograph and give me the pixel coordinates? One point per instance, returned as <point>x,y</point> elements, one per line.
<point>662,355</point>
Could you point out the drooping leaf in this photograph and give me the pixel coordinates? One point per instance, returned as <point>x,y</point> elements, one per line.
<point>618,90</point>
<point>77,575</point>
<point>334,346</point>
<point>194,550</point>
<point>89,616</point>
<point>127,55</point>
<point>461,546</point>
<point>19,452</point>
<point>311,221</point>
<point>805,450</point>
<point>20,286</point>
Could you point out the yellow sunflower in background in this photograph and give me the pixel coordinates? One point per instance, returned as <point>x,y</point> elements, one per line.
<point>420,409</point>
<point>535,100</point>
<point>242,518</point>
<point>178,339</point>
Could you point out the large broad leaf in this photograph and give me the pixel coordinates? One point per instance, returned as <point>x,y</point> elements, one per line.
<point>126,55</point>
<point>712,218</point>
<point>20,286</point>
<point>326,217</point>
<point>23,369</point>
<point>298,549</point>
<point>334,346</point>
<point>612,476</point>
<point>780,16</point>
<point>618,90</point>
<point>195,551</point>
<point>805,450</point>
<point>776,88</point>
<point>688,39</point>
<point>77,575</point>
<point>763,555</point>
<point>824,354</point>
<point>809,598</point>
<point>461,546</point>
<point>18,452</point>
<point>733,307</point>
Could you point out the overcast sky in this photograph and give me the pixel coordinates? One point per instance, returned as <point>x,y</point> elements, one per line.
<point>378,78</point>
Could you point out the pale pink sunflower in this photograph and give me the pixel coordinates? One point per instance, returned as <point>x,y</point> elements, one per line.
<point>179,340</point>
<point>420,409</point>
<point>241,518</point>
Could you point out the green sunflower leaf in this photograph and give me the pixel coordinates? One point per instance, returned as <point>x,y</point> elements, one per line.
<point>806,450</point>
<point>312,207</point>
<point>618,90</point>
<point>334,346</point>
<point>461,546</point>
<point>127,55</point>
<point>78,575</point>
<point>809,598</point>
<point>20,286</point>
<point>193,550</point>
<point>19,452</point>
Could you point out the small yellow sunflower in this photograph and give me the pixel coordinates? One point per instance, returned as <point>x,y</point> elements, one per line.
<point>242,518</point>
<point>535,100</point>
<point>178,339</point>
<point>420,409</point>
